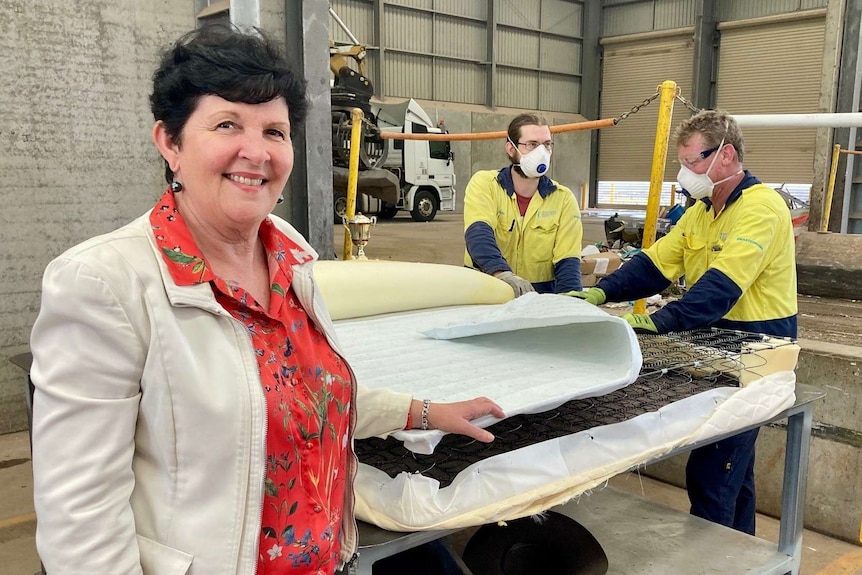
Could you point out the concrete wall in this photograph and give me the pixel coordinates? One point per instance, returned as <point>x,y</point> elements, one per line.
<point>75,146</point>
<point>833,503</point>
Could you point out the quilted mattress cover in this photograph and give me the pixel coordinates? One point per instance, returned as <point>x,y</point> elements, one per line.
<point>531,355</point>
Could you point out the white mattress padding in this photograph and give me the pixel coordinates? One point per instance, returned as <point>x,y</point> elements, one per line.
<point>529,355</point>
<point>538,477</point>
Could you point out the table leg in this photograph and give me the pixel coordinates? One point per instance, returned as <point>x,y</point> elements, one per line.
<point>795,477</point>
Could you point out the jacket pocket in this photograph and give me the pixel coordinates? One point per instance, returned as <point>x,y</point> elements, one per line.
<point>539,246</point>
<point>159,559</point>
<point>695,258</point>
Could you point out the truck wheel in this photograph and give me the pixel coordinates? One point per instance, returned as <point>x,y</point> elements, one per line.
<point>424,206</point>
<point>340,207</point>
<point>387,212</point>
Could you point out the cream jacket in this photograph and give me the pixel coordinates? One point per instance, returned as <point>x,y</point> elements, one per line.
<point>149,419</point>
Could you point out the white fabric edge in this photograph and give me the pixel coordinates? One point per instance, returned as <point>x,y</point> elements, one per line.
<point>536,478</point>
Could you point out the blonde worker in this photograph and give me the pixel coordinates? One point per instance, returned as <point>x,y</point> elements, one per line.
<point>735,248</point>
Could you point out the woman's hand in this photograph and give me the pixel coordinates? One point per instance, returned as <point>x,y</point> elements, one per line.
<point>455,417</point>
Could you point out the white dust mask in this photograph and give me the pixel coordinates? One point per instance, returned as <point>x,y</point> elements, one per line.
<point>699,186</point>
<point>535,163</point>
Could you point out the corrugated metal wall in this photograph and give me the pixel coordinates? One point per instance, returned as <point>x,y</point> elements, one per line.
<point>438,50</point>
<point>359,17</point>
<point>771,68</point>
<point>730,10</point>
<point>632,72</point>
<point>539,49</point>
<point>647,16</point>
<point>621,17</point>
<point>774,68</point>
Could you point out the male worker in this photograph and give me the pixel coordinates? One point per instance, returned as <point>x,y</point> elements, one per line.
<point>519,225</point>
<point>735,247</point>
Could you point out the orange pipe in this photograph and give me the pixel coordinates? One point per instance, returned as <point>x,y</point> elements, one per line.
<point>591,125</point>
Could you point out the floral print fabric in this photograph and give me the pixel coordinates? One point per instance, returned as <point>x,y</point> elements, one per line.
<point>307,388</point>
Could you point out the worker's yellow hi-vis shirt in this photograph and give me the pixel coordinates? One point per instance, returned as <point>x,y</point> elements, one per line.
<point>750,241</point>
<point>543,246</point>
<point>739,265</point>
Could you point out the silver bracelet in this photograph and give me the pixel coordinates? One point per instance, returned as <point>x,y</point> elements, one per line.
<point>426,404</point>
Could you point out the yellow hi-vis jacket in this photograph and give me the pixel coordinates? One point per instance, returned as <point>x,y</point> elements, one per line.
<point>543,247</point>
<point>740,266</point>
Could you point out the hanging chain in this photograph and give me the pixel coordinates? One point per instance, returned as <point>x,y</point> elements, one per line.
<point>686,102</point>
<point>636,109</point>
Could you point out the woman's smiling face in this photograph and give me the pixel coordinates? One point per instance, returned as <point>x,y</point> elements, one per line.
<point>233,160</point>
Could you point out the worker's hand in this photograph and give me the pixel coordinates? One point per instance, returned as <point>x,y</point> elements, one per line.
<point>641,322</point>
<point>594,295</point>
<point>519,284</point>
<point>456,417</point>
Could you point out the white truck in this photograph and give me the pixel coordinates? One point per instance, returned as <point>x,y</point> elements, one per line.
<point>417,176</point>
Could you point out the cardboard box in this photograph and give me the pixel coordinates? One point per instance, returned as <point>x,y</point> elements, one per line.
<point>600,264</point>
<point>589,280</point>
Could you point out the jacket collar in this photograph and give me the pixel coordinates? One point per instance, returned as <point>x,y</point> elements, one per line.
<point>201,295</point>
<point>504,178</point>
<point>748,180</point>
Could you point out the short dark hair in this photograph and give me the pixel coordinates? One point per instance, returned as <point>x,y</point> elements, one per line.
<point>521,120</point>
<point>220,60</point>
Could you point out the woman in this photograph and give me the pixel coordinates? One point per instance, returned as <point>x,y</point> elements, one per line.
<point>193,412</point>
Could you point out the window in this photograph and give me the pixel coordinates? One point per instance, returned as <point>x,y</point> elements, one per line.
<point>438,150</point>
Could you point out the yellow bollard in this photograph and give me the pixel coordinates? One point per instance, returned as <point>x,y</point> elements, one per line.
<point>659,158</point>
<point>583,196</point>
<point>827,201</point>
<point>356,116</point>
<point>672,195</point>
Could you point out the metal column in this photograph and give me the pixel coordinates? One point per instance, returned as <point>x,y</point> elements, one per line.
<point>591,85</point>
<point>703,68</point>
<point>851,208</point>
<point>491,34</point>
<point>308,200</point>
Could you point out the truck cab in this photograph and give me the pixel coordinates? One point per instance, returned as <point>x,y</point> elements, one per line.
<point>416,175</point>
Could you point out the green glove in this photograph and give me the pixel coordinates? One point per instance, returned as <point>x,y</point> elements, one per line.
<point>594,295</point>
<point>641,322</point>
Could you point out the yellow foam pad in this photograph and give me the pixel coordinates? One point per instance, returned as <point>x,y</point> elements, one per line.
<point>360,288</point>
<point>767,360</point>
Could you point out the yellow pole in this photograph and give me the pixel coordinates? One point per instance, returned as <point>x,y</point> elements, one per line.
<point>659,158</point>
<point>672,195</point>
<point>827,201</point>
<point>583,196</point>
<point>352,176</point>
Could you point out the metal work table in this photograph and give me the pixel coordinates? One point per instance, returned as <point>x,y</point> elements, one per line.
<point>671,542</point>
<point>678,543</point>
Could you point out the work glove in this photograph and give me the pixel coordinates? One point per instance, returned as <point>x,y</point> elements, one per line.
<point>594,295</point>
<point>641,322</point>
<point>518,284</point>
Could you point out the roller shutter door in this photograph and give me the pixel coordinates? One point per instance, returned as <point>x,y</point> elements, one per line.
<point>773,68</point>
<point>631,71</point>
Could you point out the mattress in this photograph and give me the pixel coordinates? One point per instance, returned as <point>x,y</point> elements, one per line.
<point>529,355</point>
<point>544,359</point>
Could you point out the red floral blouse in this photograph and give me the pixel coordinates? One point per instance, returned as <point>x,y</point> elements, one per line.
<point>307,388</point>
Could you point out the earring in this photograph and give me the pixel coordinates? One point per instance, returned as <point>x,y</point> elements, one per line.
<point>176,187</point>
<point>280,199</point>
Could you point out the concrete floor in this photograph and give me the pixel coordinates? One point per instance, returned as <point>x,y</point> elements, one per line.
<point>440,241</point>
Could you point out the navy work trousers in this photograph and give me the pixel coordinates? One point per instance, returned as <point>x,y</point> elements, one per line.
<point>720,481</point>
